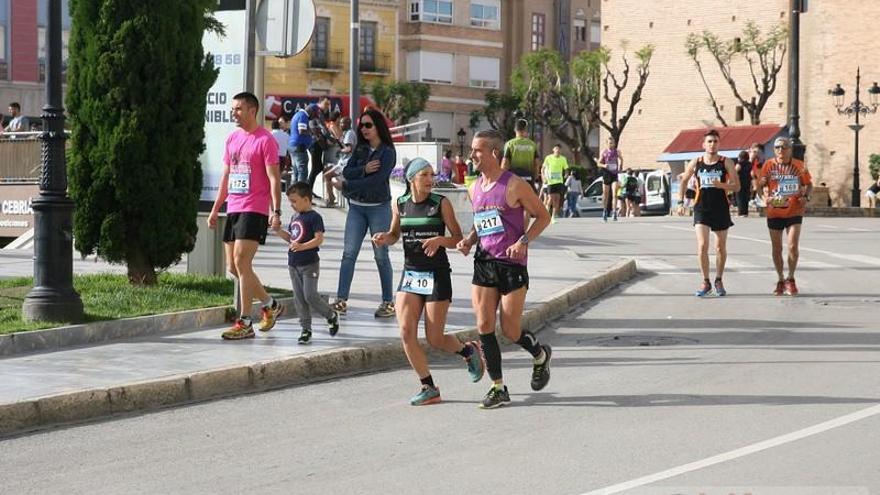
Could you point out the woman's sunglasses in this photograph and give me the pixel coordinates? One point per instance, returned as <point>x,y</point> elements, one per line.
<point>367,125</point>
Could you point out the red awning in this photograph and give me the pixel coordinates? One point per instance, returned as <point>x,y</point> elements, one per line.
<point>732,138</point>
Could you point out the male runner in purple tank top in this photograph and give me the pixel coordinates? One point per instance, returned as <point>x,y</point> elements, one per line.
<point>500,201</point>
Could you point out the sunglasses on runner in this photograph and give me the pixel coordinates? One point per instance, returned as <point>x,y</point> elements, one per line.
<point>780,147</point>
<point>367,125</point>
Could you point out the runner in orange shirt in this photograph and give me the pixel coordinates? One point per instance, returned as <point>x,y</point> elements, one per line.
<point>787,186</point>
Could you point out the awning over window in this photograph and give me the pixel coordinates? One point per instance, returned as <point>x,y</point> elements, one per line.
<point>689,143</point>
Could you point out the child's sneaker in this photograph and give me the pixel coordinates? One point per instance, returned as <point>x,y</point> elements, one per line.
<point>333,323</point>
<point>305,337</point>
<point>340,306</point>
<point>270,316</point>
<point>240,330</point>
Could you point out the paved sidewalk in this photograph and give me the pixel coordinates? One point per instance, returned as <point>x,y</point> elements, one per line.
<point>554,268</point>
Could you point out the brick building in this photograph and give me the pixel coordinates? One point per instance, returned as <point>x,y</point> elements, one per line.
<point>834,41</point>
<point>23,52</point>
<point>465,48</point>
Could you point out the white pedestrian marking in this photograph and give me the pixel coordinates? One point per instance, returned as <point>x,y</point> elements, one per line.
<point>741,452</point>
<point>858,258</point>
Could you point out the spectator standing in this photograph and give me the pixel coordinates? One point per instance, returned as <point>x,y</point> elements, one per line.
<point>365,184</point>
<point>575,188</point>
<point>18,122</point>
<point>744,169</point>
<point>300,141</point>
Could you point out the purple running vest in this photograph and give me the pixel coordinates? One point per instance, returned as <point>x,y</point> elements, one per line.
<point>610,157</point>
<point>513,219</point>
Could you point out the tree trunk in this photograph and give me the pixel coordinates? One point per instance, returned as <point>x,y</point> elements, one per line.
<point>140,271</point>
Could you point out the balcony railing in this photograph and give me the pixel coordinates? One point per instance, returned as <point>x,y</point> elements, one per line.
<point>380,64</point>
<point>330,60</point>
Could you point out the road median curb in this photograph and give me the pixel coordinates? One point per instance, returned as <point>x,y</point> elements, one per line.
<point>83,405</point>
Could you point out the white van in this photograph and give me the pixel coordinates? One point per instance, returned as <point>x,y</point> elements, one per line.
<point>655,194</point>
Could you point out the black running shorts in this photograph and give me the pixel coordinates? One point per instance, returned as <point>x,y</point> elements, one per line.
<point>506,277</point>
<point>717,219</point>
<point>246,226</point>
<point>608,178</point>
<point>556,188</point>
<point>524,175</point>
<point>442,286</point>
<point>783,223</point>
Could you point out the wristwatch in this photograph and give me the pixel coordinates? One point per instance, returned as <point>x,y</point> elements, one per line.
<point>278,212</point>
<point>524,239</point>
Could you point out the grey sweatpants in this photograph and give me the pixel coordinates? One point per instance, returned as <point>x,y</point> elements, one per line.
<point>305,293</point>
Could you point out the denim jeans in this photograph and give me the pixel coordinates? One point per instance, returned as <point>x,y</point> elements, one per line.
<point>300,172</point>
<point>359,219</point>
<point>571,200</point>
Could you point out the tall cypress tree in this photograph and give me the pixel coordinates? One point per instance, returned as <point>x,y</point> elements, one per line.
<point>136,90</point>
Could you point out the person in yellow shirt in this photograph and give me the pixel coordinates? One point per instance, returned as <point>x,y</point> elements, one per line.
<point>553,173</point>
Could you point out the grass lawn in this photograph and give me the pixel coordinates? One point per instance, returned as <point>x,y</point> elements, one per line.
<point>110,297</point>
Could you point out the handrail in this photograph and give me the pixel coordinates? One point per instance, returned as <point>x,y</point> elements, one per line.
<point>408,129</point>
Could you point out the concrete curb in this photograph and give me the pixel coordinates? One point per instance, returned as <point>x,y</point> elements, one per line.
<point>32,414</point>
<point>53,339</point>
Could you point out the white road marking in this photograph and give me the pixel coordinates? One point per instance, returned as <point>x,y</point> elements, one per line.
<point>741,452</point>
<point>858,258</point>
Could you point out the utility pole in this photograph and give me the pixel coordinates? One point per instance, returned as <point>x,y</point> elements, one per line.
<point>354,79</point>
<point>799,149</point>
<point>53,297</point>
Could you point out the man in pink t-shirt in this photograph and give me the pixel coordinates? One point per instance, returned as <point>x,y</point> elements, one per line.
<point>250,184</point>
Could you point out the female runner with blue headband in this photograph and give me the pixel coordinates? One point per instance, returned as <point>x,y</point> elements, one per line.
<point>421,218</point>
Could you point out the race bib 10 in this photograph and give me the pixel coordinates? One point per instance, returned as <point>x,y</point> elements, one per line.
<point>418,282</point>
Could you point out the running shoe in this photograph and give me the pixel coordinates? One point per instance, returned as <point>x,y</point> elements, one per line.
<point>719,288</point>
<point>791,287</point>
<point>428,395</point>
<point>270,316</point>
<point>780,288</point>
<point>385,310</point>
<point>340,306</point>
<point>496,397</point>
<point>333,323</point>
<point>305,337</point>
<point>615,215</point>
<point>240,330</point>
<point>605,216</point>
<point>541,372</point>
<point>475,366</point>
<point>704,290</point>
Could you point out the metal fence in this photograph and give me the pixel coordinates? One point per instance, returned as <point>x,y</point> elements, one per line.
<point>20,159</point>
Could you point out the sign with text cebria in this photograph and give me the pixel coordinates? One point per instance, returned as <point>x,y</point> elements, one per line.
<point>229,53</point>
<point>16,210</point>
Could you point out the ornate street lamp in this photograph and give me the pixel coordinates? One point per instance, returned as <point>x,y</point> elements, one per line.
<point>53,297</point>
<point>856,109</point>
<point>461,134</point>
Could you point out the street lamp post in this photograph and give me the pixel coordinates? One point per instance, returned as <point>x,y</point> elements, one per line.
<point>53,297</point>
<point>856,109</point>
<point>461,134</point>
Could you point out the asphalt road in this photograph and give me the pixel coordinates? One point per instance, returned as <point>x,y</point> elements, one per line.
<point>744,394</point>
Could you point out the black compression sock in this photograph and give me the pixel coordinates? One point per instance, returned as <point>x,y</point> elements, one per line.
<point>428,380</point>
<point>492,353</point>
<point>528,342</point>
<point>466,351</point>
